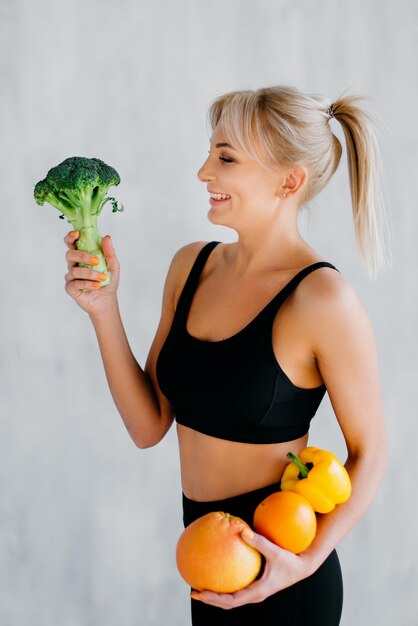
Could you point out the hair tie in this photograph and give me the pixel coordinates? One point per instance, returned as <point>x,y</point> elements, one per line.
<point>330,112</point>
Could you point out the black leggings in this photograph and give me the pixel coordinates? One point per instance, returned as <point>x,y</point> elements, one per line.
<point>313,601</point>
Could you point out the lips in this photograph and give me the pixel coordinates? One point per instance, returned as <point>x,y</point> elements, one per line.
<point>213,202</point>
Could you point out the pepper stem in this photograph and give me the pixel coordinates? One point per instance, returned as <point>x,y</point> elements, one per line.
<point>304,469</point>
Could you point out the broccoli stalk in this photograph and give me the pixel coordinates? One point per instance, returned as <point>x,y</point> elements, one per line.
<point>77,187</point>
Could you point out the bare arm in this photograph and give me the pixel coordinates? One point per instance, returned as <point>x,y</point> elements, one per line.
<point>146,412</point>
<point>347,358</point>
<point>131,389</point>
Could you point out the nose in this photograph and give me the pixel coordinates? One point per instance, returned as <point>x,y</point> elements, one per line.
<point>204,174</point>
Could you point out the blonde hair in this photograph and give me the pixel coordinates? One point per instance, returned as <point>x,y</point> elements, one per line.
<point>279,126</point>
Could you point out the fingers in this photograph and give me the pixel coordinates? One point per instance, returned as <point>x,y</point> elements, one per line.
<point>70,240</point>
<point>78,256</point>
<point>76,287</point>
<point>82,278</point>
<point>84,273</point>
<point>75,256</point>
<point>72,255</point>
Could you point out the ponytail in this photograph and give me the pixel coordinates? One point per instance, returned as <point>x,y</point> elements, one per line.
<point>371,220</point>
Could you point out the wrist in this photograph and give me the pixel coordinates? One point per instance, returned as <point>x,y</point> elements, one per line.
<point>110,312</point>
<point>310,564</point>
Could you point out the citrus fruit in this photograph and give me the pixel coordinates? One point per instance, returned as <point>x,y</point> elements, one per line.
<point>287,519</point>
<point>211,554</point>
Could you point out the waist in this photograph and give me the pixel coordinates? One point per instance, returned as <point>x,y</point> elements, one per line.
<point>214,469</point>
<point>242,505</point>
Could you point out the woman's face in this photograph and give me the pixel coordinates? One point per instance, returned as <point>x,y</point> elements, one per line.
<point>254,191</point>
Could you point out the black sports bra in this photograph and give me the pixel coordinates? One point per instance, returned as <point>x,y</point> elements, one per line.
<point>234,388</point>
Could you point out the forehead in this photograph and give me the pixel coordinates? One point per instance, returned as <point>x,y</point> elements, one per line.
<point>219,137</point>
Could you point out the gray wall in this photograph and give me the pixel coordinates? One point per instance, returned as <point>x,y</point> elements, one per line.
<point>89,523</point>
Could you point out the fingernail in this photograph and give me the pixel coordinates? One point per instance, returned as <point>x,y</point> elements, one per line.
<point>95,285</point>
<point>248,534</point>
<point>94,261</point>
<point>74,233</point>
<point>194,596</point>
<point>102,276</point>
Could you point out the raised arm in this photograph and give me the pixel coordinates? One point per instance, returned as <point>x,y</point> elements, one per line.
<point>145,411</point>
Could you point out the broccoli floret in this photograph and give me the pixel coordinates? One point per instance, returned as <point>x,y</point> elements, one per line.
<point>77,187</point>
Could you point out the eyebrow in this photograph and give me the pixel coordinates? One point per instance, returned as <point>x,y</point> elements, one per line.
<point>224,145</point>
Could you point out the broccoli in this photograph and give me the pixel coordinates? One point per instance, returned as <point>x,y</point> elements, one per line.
<point>77,187</point>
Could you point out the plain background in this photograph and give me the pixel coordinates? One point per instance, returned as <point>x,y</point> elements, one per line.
<point>88,522</point>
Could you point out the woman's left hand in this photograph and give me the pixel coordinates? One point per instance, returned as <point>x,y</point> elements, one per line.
<point>282,569</point>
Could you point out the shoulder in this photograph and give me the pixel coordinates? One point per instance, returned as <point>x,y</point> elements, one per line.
<point>181,265</point>
<point>325,284</point>
<point>186,255</point>
<point>336,312</point>
<point>329,290</point>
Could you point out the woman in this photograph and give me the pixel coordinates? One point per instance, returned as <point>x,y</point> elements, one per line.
<point>251,336</point>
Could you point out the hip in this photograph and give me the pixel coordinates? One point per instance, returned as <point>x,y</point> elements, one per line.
<point>314,601</point>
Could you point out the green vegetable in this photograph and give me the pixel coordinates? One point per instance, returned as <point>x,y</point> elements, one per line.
<point>77,187</point>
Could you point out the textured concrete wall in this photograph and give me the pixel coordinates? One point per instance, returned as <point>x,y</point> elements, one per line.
<point>89,523</point>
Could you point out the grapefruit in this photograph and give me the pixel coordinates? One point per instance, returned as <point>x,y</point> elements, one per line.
<point>211,554</point>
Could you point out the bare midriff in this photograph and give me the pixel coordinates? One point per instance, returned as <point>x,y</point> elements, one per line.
<point>214,469</point>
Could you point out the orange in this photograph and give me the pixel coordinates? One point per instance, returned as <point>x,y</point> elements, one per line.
<point>287,519</point>
<point>211,554</point>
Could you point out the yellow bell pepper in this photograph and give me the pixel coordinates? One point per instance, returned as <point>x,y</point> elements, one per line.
<point>318,476</point>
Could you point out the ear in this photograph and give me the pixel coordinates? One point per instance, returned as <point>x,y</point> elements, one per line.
<point>295,180</point>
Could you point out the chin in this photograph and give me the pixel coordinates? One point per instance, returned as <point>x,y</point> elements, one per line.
<point>216,218</point>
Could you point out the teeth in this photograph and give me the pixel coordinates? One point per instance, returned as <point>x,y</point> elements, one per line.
<point>218,196</point>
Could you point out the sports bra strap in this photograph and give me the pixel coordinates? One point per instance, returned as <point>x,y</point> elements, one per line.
<point>294,282</point>
<point>274,305</point>
<point>193,278</point>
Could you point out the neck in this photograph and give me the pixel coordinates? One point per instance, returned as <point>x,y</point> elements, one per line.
<point>262,248</point>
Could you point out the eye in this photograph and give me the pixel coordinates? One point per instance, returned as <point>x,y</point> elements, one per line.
<point>224,159</point>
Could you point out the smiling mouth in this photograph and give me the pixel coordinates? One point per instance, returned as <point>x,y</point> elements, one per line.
<point>214,201</point>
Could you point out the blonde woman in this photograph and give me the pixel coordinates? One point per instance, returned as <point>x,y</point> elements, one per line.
<point>253,334</point>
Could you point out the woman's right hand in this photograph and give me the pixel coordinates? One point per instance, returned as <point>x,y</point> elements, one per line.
<point>96,300</point>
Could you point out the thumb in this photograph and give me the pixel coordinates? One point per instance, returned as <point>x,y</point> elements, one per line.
<point>259,542</point>
<point>109,253</point>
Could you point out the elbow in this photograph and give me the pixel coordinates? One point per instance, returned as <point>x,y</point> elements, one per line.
<point>143,444</point>
<point>372,450</point>
<point>376,460</point>
<point>153,438</point>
